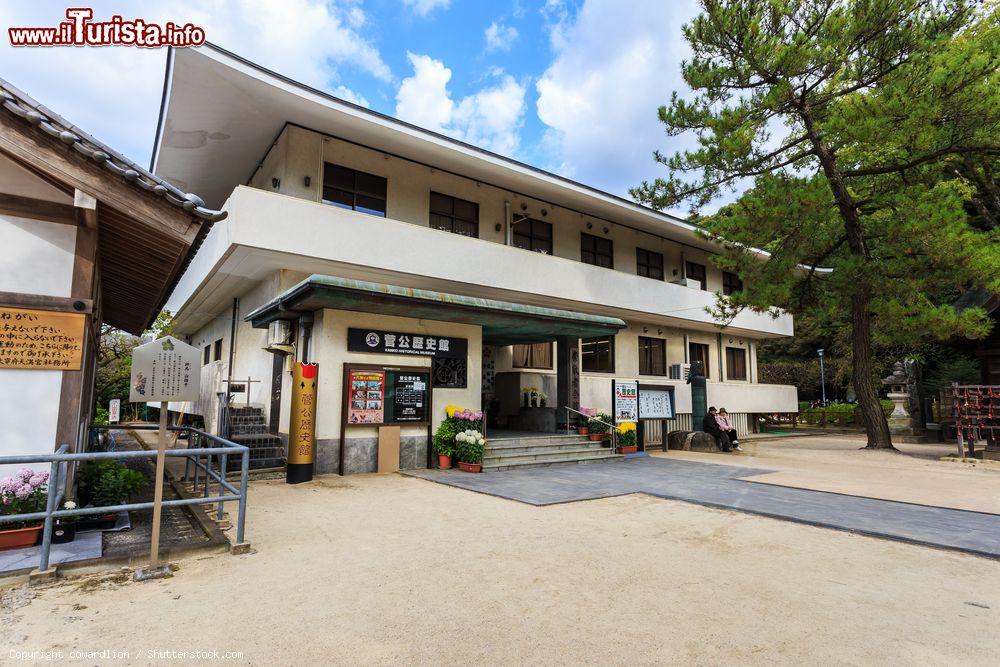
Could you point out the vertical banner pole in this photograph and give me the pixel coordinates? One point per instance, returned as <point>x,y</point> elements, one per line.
<point>302,429</point>
<point>161,448</point>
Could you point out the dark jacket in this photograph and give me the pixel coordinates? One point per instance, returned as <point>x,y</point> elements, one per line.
<point>709,425</point>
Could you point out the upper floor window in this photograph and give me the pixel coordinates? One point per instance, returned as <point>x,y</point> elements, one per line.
<point>535,355</point>
<point>217,350</point>
<point>597,251</point>
<point>649,264</point>
<point>206,357</point>
<point>598,354</point>
<point>355,190</point>
<point>736,363</point>
<point>533,235</point>
<point>652,356</point>
<point>454,215</point>
<point>696,272</point>
<point>699,352</point>
<point>731,283</point>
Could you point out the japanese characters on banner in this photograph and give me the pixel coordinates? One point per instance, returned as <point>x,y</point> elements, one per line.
<point>625,400</point>
<point>165,370</point>
<point>398,342</point>
<point>366,397</point>
<point>114,410</point>
<point>656,403</point>
<point>41,339</point>
<point>409,401</point>
<point>302,439</point>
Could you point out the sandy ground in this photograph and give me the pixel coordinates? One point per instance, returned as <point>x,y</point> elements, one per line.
<point>388,570</point>
<point>837,464</point>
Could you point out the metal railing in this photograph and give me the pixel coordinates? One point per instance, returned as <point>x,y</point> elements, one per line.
<point>60,460</point>
<point>611,427</point>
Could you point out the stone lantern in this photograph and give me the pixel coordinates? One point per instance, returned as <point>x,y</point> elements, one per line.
<point>899,420</point>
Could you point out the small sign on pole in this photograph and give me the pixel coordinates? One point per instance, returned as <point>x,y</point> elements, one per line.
<point>625,400</point>
<point>114,411</point>
<point>164,370</point>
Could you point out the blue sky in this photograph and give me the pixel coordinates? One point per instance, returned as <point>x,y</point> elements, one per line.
<point>568,86</point>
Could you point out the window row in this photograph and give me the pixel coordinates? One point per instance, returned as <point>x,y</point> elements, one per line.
<point>360,191</point>
<point>597,355</point>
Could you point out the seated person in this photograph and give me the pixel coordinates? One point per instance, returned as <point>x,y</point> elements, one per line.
<point>710,424</point>
<point>726,426</point>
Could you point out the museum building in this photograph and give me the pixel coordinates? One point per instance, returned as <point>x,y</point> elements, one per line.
<point>420,272</point>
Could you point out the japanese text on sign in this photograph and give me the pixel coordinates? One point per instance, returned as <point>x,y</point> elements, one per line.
<point>41,339</point>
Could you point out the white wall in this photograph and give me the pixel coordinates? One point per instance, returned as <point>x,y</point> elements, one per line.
<point>35,258</point>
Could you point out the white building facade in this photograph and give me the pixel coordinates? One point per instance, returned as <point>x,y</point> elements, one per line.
<point>341,220</point>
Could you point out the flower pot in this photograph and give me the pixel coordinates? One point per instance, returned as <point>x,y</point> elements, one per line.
<point>631,449</point>
<point>99,521</point>
<point>582,430</point>
<point>63,532</point>
<point>596,437</point>
<point>18,538</point>
<point>470,467</point>
<point>444,461</point>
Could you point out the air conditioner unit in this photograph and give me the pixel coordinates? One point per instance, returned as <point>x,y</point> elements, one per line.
<point>279,337</point>
<point>679,371</point>
<point>688,282</point>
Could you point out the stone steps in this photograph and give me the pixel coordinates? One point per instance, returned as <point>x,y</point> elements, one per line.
<point>528,451</point>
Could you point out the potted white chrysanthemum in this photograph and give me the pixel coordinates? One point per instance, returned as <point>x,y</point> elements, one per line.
<point>469,447</point>
<point>64,529</point>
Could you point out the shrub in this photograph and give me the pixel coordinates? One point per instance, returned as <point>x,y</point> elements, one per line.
<point>24,492</point>
<point>469,446</point>
<point>104,482</point>
<point>599,423</point>
<point>444,438</point>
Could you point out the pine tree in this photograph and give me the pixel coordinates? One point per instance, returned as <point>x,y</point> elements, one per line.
<point>860,127</point>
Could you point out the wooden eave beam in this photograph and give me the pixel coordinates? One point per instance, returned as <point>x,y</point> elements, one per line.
<point>37,209</point>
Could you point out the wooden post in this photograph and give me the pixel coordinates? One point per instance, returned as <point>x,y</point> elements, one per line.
<point>161,448</point>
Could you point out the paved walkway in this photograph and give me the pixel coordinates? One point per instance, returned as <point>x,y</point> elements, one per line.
<point>732,487</point>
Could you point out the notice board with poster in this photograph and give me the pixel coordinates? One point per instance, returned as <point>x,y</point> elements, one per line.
<point>656,402</point>
<point>380,395</point>
<point>625,400</point>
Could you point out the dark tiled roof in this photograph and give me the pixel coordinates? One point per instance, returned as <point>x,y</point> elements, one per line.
<point>23,106</point>
<point>977,297</point>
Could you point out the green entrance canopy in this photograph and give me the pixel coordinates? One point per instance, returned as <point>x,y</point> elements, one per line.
<point>503,323</point>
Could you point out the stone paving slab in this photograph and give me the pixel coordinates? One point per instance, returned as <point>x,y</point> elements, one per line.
<point>723,486</point>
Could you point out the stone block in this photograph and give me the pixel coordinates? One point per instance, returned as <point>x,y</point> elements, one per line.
<point>692,441</point>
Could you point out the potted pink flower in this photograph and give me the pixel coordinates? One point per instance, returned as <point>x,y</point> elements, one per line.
<point>583,428</point>
<point>24,492</point>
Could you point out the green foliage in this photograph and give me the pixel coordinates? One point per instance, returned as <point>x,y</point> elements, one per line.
<point>101,415</point>
<point>470,452</point>
<point>838,414</point>
<point>106,482</point>
<point>444,438</point>
<point>599,423</point>
<point>954,369</point>
<point>867,130</point>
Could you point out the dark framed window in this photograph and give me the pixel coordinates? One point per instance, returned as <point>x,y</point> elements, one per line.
<point>217,352</point>
<point>450,373</point>
<point>652,356</point>
<point>699,352</point>
<point>649,264</point>
<point>454,215</point>
<point>597,251</point>
<point>731,283</point>
<point>697,272</point>
<point>736,363</point>
<point>207,356</point>
<point>533,355</point>
<point>355,190</point>
<point>598,354</point>
<point>532,235</point>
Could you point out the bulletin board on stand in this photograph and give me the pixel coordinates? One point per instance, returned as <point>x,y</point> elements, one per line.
<point>386,396</point>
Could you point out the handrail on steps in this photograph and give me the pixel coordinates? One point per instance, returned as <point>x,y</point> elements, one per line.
<point>611,427</point>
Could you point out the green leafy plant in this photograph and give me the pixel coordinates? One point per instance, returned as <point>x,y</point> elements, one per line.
<point>105,482</point>
<point>444,438</point>
<point>599,423</point>
<point>469,446</point>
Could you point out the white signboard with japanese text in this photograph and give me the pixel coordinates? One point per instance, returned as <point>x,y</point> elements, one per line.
<point>625,400</point>
<point>114,410</point>
<point>167,369</point>
<point>656,403</point>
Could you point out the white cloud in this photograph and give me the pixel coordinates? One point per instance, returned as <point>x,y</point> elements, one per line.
<point>489,118</point>
<point>500,36</point>
<point>114,92</point>
<point>599,96</point>
<point>425,7</point>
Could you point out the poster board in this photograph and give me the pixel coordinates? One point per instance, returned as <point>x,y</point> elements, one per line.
<point>625,400</point>
<point>114,410</point>
<point>656,402</point>
<point>381,395</point>
<point>41,339</point>
<point>165,370</point>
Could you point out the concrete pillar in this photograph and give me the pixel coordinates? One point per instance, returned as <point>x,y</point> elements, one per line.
<point>567,378</point>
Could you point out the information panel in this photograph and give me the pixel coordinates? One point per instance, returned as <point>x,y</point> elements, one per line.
<point>625,400</point>
<point>366,401</point>
<point>656,403</point>
<point>40,339</point>
<point>409,398</point>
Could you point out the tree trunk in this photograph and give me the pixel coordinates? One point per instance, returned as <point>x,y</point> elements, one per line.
<point>876,426</point>
<point>872,416</point>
